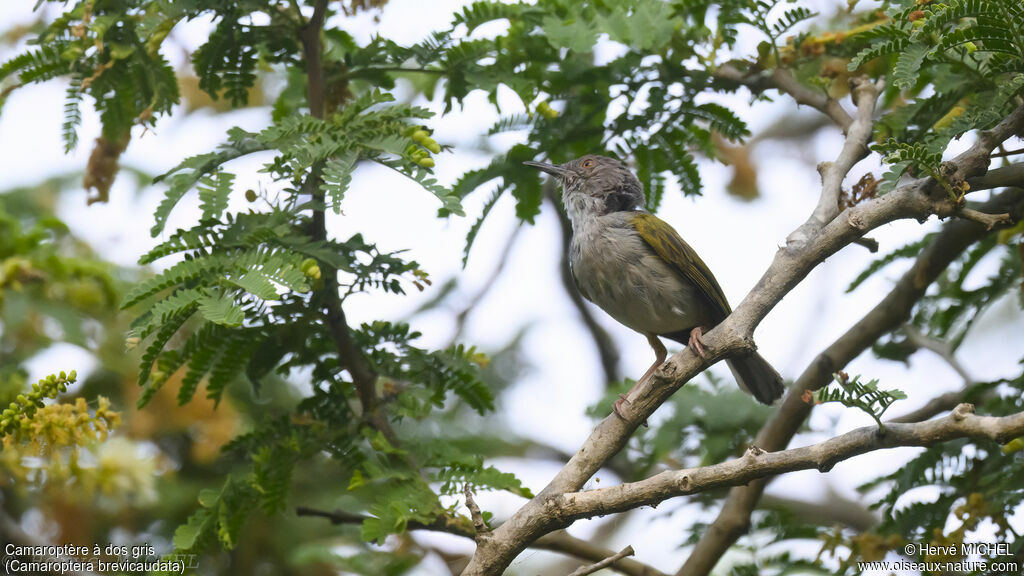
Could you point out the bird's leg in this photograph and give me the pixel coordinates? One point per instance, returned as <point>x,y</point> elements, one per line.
<point>660,353</point>
<point>696,342</point>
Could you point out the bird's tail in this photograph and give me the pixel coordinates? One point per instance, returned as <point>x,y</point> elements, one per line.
<point>757,377</point>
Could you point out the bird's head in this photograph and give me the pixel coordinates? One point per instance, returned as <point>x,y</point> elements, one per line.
<point>595,185</point>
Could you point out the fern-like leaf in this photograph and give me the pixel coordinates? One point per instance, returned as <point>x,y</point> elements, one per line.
<point>213,194</point>
<point>337,174</point>
<point>220,308</point>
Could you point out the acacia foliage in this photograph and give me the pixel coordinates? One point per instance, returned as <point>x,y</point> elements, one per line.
<point>249,297</point>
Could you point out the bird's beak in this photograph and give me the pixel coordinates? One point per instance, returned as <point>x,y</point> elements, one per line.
<point>552,169</point>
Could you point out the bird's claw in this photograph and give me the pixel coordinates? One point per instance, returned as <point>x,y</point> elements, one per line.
<point>617,408</point>
<point>696,342</point>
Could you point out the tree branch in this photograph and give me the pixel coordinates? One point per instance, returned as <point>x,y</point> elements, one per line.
<point>349,355</point>
<point>463,315</point>
<point>934,407</point>
<point>962,423</point>
<point>918,199</point>
<point>835,509</point>
<point>989,221</point>
<point>558,541</point>
<point>479,526</point>
<point>855,148</point>
<point>1012,175</point>
<point>783,80</point>
<point>585,570</point>
<point>943,349</point>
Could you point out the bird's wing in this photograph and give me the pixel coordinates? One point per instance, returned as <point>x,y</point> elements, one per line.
<point>668,245</point>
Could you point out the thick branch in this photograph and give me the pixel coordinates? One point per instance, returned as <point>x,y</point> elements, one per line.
<point>987,220</point>
<point>558,541</point>
<point>855,148</point>
<point>835,509</point>
<point>917,199</point>
<point>962,423</point>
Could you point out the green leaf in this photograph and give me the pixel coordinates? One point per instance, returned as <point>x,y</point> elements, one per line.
<point>213,194</point>
<point>185,536</point>
<point>255,283</point>
<point>908,65</point>
<point>574,33</point>
<point>220,308</point>
<point>337,174</point>
<point>208,497</point>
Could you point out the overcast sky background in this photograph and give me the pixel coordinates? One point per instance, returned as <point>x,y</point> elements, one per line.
<point>736,239</point>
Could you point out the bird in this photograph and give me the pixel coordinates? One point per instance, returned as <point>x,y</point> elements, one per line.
<point>639,270</point>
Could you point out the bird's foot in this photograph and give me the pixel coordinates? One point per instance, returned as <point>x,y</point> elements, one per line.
<point>696,342</point>
<point>617,408</point>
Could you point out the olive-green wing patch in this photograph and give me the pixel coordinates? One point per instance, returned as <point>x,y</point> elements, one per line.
<point>675,251</point>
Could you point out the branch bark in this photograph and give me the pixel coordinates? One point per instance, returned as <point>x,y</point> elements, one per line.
<point>1012,175</point>
<point>586,570</point>
<point>558,541</point>
<point>783,80</point>
<point>917,199</point>
<point>962,423</point>
<point>855,148</point>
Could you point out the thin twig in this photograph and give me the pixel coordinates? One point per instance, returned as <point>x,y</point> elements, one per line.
<point>833,509</point>
<point>585,570</point>
<point>1005,153</point>
<point>855,148</point>
<point>943,349</point>
<point>870,243</point>
<point>474,513</point>
<point>349,355</point>
<point>989,221</point>
<point>783,80</point>
<point>934,407</point>
<point>503,257</point>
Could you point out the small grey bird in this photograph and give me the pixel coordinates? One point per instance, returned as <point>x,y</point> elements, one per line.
<point>637,269</point>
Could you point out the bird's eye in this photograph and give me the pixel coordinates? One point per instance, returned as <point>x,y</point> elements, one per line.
<point>588,163</point>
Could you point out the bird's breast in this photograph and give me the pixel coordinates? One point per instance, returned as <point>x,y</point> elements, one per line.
<point>615,269</point>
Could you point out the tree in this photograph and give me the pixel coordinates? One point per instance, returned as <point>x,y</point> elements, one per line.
<point>379,436</point>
